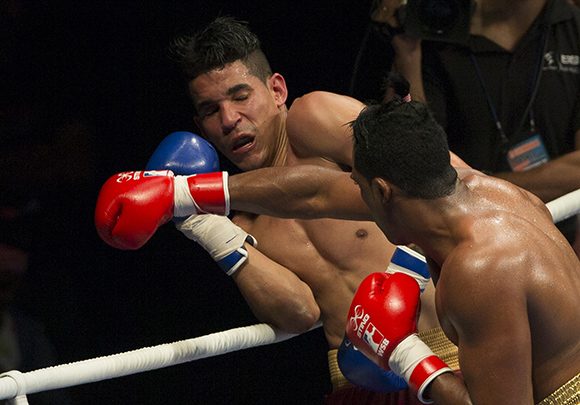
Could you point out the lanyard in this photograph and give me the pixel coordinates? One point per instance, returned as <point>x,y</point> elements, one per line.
<point>534,85</point>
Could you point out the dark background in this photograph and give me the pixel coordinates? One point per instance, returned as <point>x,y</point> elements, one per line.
<point>87,90</point>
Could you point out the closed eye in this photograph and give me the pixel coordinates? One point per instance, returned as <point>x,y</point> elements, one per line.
<point>206,111</point>
<point>241,97</point>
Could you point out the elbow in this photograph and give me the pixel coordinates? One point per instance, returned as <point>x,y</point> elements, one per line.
<point>300,320</point>
<point>308,320</point>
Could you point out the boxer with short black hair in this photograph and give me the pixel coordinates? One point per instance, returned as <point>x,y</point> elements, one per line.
<point>507,280</point>
<point>240,107</point>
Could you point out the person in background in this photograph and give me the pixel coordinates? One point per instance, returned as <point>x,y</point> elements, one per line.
<point>508,96</point>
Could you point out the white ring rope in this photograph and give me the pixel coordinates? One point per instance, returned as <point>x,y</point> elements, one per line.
<point>564,207</point>
<point>15,384</point>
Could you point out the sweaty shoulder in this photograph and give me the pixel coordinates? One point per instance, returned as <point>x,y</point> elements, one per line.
<point>318,125</point>
<point>475,273</point>
<point>477,180</point>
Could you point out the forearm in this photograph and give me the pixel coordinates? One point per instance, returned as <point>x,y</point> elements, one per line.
<point>304,192</point>
<point>275,294</point>
<point>448,389</point>
<point>550,180</point>
<point>406,50</point>
<point>407,62</point>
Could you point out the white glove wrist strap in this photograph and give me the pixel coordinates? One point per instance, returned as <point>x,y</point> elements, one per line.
<point>415,362</point>
<point>183,203</point>
<point>220,237</point>
<point>407,355</point>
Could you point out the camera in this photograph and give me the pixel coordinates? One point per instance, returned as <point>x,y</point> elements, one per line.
<point>437,20</point>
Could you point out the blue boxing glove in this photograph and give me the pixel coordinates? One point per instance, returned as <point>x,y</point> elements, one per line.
<point>185,153</point>
<point>412,263</point>
<point>361,371</point>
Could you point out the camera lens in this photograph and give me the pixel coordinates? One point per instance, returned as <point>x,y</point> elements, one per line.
<point>437,16</point>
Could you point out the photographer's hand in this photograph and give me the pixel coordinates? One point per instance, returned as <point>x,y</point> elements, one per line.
<point>407,50</point>
<point>385,11</point>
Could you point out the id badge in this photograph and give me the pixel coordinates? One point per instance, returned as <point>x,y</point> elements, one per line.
<point>527,154</point>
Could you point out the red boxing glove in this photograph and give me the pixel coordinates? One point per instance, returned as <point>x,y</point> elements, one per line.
<point>383,325</point>
<point>383,312</point>
<point>132,205</point>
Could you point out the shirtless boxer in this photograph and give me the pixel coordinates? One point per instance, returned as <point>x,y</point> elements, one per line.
<point>507,280</point>
<point>302,271</point>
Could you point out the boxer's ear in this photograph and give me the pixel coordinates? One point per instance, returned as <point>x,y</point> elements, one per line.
<point>277,85</point>
<point>382,190</point>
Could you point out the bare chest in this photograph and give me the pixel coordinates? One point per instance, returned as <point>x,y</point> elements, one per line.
<point>315,248</point>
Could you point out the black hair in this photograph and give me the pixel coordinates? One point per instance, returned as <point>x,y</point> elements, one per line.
<point>223,41</point>
<point>402,143</point>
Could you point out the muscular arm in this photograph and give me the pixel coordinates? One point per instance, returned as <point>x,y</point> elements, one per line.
<point>275,294</point>
<point>303,192</point>
<point>491,321</point>
<point>319,132</point>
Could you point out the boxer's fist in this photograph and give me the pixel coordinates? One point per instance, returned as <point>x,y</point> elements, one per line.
<point>383,312</point>
<point>132,205</point>
<point>383,323</point>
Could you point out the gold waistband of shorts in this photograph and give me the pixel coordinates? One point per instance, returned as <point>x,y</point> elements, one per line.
<point>337,379</point>
<point>567,394</point>
<point>434,338</point>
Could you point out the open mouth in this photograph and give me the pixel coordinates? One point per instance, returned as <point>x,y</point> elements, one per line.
<point>242,144</point>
